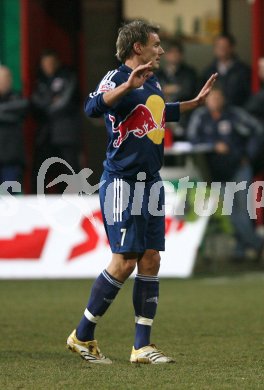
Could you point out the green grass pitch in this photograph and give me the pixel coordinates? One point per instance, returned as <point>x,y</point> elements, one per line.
<point>213,327</point>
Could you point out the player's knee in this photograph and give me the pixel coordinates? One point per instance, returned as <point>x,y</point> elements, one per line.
<point>128,267</point>
<point>122,266</point>
<point>150,263</point>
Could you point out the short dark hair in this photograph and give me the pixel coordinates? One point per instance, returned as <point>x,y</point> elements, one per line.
<point>49,53</point>
<point>219,88</point>
<point>174,43</point>
<point>130,33</point>
<point>229,37</point>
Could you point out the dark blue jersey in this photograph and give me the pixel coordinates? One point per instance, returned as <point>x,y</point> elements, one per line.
<point>135,125</point>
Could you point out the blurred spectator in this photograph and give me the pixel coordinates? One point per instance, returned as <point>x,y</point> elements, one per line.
<point>234,137</point>
<point>255,104</point>
<point>12,110</point>
<point>178,80</point>
<point>55,102</point>
<point>233,74</point>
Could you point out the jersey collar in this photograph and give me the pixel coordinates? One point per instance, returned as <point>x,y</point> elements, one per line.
<point>125,68</point>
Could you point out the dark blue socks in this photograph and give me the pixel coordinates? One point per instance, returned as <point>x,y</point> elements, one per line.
<point>103,293</point>
<point>145,299</point>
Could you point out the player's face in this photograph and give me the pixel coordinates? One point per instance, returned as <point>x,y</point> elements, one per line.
<point>152,51</point>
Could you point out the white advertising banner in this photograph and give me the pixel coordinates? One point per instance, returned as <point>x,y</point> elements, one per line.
<point>63,237</point>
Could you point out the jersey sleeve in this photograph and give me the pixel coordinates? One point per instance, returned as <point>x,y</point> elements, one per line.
<point>94,105</point>
<point>172,112</point>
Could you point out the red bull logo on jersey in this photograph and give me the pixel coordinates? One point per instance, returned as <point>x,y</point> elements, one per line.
<point>144,120</point>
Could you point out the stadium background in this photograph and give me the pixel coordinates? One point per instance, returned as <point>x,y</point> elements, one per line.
<point>215,318</point>
<point>74,29</point>
<point>76,32</point>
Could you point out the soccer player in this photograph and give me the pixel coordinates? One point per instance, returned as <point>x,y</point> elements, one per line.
<point>131,100</point>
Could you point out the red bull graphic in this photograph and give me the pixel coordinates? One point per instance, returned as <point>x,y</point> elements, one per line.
<point>141,121</point>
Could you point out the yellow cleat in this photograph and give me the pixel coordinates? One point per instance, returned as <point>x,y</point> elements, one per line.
<point>88,350</point>
<point>149,355</point>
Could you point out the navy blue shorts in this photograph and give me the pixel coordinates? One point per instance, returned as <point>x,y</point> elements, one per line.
<point>133,213</point>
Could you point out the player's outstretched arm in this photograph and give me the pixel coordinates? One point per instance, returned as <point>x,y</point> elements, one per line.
<point>136,79</point>
<point>200,98</point>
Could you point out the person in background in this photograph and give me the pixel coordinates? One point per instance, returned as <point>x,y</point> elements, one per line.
<point>178,81</point>
<point>12,110</point>
<point>233,74</point>
<point>255,106</point>
<point>234,137</point>
<point>255,103</point>
<point>55,103</point>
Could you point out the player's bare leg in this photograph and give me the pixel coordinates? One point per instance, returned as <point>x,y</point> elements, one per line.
<point>122,265</point>
<point>149,263</point>
<point>145,299</point>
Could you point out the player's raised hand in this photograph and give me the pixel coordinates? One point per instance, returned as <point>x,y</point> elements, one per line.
<point>206,89</point>
<point>139,75</point>
<point>200,98</point>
